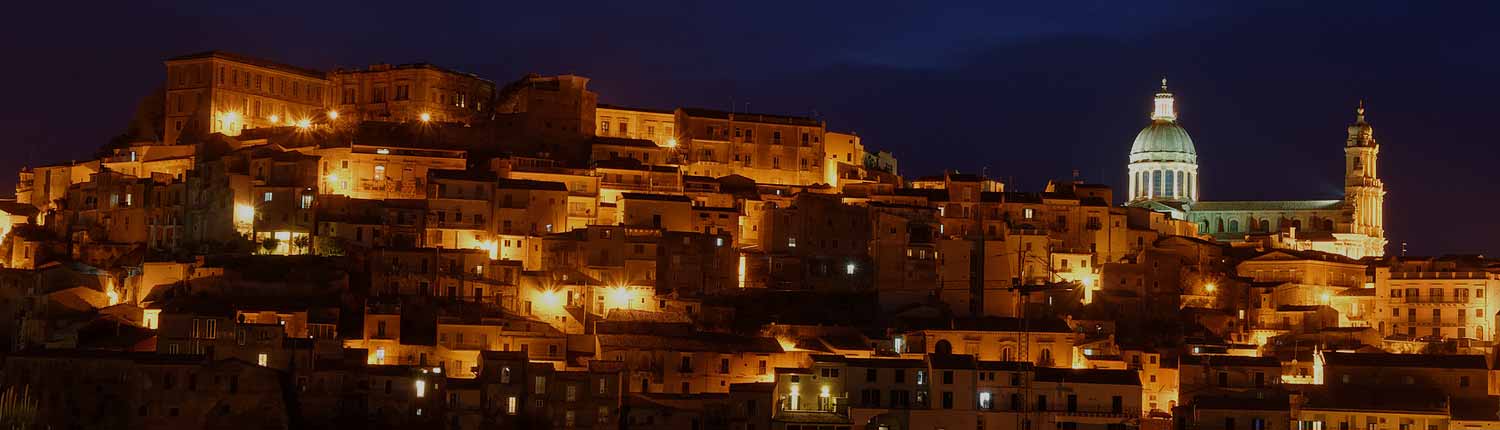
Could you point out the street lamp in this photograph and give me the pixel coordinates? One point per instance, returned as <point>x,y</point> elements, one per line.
<point>426,117</point>
<point>333,114</point>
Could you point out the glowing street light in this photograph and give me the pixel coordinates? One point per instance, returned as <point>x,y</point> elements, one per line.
<point>304,123</point>
<point>425,117</point>
<point>1210,287</point>
<point>275,118</point>
<point>333,114</point>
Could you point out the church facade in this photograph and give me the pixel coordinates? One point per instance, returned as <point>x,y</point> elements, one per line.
<point>1163,168</point>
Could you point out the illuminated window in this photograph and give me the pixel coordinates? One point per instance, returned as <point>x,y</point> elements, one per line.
<point>511,405</point>
<point>267,196</point>
<point>307,201</point>
<point>261,359</point>
<point>379,172</point>
<point>1028,213</point>
<point>791,242</point>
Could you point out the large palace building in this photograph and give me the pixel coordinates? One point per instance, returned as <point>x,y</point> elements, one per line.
<point>1164,176</point>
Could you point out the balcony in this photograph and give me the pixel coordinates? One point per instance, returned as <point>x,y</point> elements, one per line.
<point>1441,300</point>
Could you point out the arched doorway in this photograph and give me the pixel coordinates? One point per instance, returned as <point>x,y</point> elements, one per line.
<point>943,347</point>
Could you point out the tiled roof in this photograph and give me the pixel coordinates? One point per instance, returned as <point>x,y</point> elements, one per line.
<point>1405,360</point>
<point>1230,361</point>
<point>253,61</point>
<point>752,117</point>
<point>528,184</point>
<point>1088,376</point>
<point>1266,205</point>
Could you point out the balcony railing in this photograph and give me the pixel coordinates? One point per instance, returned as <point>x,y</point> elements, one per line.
<point>1439,299</point>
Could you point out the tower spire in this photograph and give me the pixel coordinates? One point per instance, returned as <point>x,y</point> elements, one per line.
<point>1165,109</point>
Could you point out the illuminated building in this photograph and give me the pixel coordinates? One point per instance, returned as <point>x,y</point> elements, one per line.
<point>222,92</point>
<point>1454,297</point>
<point>404,92</point>
<point>770,149</point>
<point>382,172</point>
<point>1164,177</point>
<point>657,126</point>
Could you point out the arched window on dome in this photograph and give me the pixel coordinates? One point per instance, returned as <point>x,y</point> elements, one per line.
<point>1234,226</point>
<point>1156,187</point>
<point>1171,190</point>
<point>1180,186</point>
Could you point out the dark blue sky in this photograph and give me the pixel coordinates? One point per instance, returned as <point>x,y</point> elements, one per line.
<point>1029,91</point>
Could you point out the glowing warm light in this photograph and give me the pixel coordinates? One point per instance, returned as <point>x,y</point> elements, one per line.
<point>825,391</point>
<point>550,299</point>
<point>275,118</point>
<point>1327,297</point>
<point>333,178</point>
<point>787,344</point>
<point>150,318</point>
<point>619,297</point>
<point>114,296</point>
<point>333,114</point>
<point>383,151</point>
<point>742,271</point>
<point>421,388</point>
<point>671,142</point>
<point>232,116</point>
<point>304,123</point>
<point>1210,287</point>
<point>426,117</point>
<point>437,370</point>
<point>492,247</point>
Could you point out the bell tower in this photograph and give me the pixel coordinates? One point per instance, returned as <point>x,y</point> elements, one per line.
<point>1364,194</point>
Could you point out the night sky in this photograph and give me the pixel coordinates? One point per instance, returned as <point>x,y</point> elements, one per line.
<point>1026,91</point>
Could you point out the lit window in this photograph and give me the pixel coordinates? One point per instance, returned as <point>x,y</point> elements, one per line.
<point>718,241</point>
<point>421,387</point>
<point>510,405</point>
<point>984,400</point>
<point>379,172</point>
<point>307,201</point>
<point>791,242</point>
<point>1028,213</point>
<point>267,196</point>
<point>261,359</point>
<point>849,269</point>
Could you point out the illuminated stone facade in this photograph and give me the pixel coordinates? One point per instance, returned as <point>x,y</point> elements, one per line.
<point>1164,177</point>
<point>404,92</point>
<point>220,92</point>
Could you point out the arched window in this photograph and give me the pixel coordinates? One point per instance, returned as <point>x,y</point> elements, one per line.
<point>943,347</point>
<point>1297,224</point>
<point>1045,358</point>
<point>1265,225</point>
<point>1156,186</point>
<point>1007,354</point>
<point>1221,225</point>
<point>1171,190</point>
<point>1203,226</point>
<point>1234,226</point>
<point>1328,224</point>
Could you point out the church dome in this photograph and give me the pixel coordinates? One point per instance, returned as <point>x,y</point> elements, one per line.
<point>1163,140</point>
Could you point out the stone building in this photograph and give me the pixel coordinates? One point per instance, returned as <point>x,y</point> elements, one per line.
<point>411,92</point>
<point>770,149</point>
<point>1163,168</point>
<point>222,92</point>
